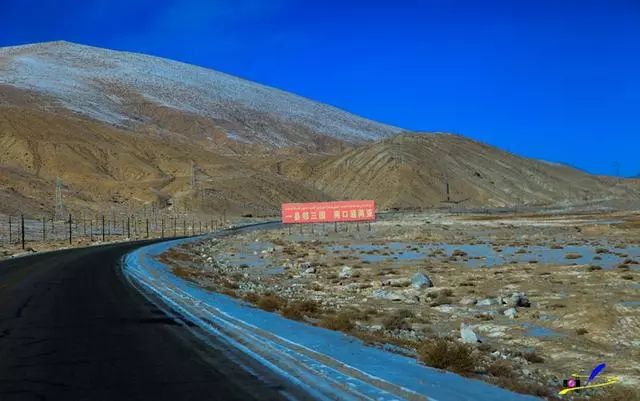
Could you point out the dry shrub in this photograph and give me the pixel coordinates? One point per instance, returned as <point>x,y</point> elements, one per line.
<point>340,322</point>
<point>298,310</point>
<point>270,303</point>
<point>444,353</point>
<point>523,387</point>
<point>581,331</point>
<point>252,297</point>
<point>177,255</point>
<point>229,292</point>
<point>617,393</point>
<point>533,357</point>
<point>183,272</point>
<point>398,320</point>
<point>292,313</point>
<point>501,368</point>
<point>441,299</point>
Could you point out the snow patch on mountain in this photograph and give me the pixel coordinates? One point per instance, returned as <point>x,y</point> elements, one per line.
<point>106,85</point>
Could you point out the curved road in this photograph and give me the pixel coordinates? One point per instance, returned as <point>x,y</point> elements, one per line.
<point>73,328</point>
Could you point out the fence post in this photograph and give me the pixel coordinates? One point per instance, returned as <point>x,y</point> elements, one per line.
<point>163,227</point>
<point>147,228</point>
<point>175,228</point>
<point>22,225</point>
<point>10,232</point>
<point>44,230</point>
<point>70,228</point>
<point>184,227</point>
<point>91,229</point>
<point>128,227</point>
<point>335,226</point>
<point>103,228</point>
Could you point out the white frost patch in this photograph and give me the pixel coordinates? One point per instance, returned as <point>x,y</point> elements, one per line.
<point>82,77</point>
<point>330,365</point>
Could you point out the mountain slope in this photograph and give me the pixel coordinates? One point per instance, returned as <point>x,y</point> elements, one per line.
<point>135,90</point>
<point>413,170</point>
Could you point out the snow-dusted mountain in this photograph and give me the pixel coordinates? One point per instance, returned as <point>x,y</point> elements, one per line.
<point>128,89</point>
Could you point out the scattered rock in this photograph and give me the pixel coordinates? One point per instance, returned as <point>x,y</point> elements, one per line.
<point>468,301</point>
<point>421,280</point>
<point>487,302</point>
<point>467,334</point>
<point>346,272</point>
<point>511,313</point>
<point>390,295</point>
<point>310,270</point>
<point>397,282</point>
<point>518,299</point>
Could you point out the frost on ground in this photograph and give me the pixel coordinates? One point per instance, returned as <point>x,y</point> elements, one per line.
<point>533,294</point>
<point>329,364</point>
<point>106,85</point>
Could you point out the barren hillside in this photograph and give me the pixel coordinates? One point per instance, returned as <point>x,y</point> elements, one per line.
<point>412,170</point>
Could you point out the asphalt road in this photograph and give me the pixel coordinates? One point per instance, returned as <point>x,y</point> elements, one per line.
<point>73,328</point>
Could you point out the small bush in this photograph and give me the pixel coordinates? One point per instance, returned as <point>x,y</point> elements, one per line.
<point>593,268</point>
<point>458,253</point>
<point>627,277</point>
<point>398,320</point>
<point>252,297</point>
<point>297,310</point>
<point>444,353</point>
<point>292,313</point>
<point>340,322</point>
<point>500,368</point>
<point>581,331</point>
<point>270,303</point>
<point>533,357</point>
<point>617,393</point>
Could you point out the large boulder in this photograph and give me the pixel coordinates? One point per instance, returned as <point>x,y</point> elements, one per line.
<point>421,280</point>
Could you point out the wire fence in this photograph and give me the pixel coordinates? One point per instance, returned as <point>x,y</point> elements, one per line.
<point>25,231</point>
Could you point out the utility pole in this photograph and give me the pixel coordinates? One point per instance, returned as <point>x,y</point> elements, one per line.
<point>59,206</point>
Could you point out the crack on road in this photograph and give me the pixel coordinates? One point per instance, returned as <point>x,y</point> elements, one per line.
<point>22,307</point>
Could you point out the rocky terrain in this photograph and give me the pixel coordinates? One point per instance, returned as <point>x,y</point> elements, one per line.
<point>522,301</point>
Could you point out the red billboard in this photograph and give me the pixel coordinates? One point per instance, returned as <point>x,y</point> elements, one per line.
<point>325,212</point>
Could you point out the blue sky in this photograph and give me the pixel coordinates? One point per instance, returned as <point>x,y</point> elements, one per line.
<point>556,80</point>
